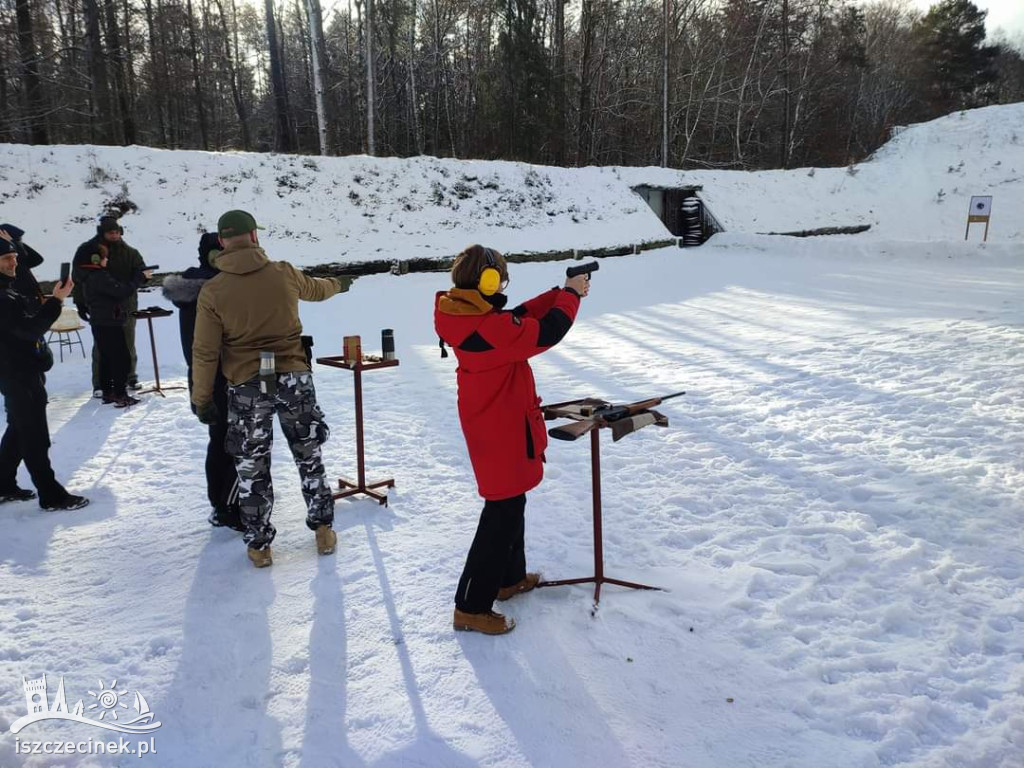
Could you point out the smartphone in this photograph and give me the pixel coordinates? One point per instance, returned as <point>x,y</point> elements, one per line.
<point>65,272</point>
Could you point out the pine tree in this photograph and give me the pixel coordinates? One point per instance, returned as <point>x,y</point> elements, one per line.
<point>959,67</point>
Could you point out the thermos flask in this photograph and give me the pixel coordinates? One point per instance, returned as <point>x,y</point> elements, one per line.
<point>268,379</point>
<point>387,344</point>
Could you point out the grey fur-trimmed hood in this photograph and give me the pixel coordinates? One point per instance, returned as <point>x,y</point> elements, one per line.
<point>183,290</point>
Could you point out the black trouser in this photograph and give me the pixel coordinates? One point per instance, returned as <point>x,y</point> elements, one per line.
<point>129,339</point>
<point>220,465</point>
<point>27,437</point>
<point>114,359</point>
<point>497,557</point>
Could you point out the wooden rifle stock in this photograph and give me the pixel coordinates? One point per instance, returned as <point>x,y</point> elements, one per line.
<point>574,430</point>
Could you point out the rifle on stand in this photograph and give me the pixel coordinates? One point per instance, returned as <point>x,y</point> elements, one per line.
<point>588,414</point>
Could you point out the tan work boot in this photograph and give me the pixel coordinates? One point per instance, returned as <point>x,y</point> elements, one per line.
<point>326,539</point>
<point>261,558</point>
<point>489,623</point>
<point>525,584</point>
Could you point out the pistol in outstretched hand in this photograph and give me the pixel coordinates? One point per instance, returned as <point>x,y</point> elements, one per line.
<point>583,269</point>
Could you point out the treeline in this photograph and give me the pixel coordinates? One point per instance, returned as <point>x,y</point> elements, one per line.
<point>686,83</point>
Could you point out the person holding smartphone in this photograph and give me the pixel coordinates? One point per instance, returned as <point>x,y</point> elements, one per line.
<point>24,360</point>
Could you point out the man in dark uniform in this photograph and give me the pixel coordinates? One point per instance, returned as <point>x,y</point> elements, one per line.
<point>124,263</point>
<point>24,359</point>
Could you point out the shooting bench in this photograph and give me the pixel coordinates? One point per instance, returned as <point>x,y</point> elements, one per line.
<point>585,416</point>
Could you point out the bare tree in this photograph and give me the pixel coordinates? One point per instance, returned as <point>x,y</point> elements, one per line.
<point>282,131</point>
<point>101,124</point>
<point>371,94</point>
<point>316,43</point>
<point>35,100</point>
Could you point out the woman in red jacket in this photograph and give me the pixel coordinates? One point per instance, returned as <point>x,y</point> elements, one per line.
<point>501,418</point>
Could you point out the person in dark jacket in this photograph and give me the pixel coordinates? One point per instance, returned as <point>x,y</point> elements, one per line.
<point>107,301</point>
<point>501,419</point>
<point>125,263</point>
<point>24,360</point>
<point>25,282</point>
<point>221,478</point>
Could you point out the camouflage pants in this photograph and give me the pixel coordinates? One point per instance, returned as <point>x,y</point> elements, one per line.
<point>249,439</point>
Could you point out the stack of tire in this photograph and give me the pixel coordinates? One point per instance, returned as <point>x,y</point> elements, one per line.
<point>693,230</point>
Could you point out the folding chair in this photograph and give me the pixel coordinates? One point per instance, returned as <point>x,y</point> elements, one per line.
<point>68,323</point>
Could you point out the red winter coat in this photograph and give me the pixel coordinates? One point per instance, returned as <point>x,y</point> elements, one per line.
<point>498,404</point>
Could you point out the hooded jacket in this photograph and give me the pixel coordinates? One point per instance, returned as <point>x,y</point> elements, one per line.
<point>251,305</point>
<point>183,291</point>
<point>498,404</point>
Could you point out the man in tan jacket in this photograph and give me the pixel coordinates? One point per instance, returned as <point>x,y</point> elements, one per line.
<point>252,307</point>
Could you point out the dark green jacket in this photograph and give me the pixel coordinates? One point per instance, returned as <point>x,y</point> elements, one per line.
<point>124,263</point>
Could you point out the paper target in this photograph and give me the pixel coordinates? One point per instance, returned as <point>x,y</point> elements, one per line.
<point>980,206</point>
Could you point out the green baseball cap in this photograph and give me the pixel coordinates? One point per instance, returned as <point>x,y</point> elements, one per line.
<point>234,223</point>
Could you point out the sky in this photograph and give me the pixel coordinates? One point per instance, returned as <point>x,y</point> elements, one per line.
<point>1008,14</point>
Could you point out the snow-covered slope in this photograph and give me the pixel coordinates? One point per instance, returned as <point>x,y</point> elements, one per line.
<point>322,210</point>
<point>917,187</point>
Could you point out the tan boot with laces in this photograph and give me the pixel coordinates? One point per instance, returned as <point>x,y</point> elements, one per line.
<point>490,623</point>
<point>261,558</point>
<point>326,540</point>
<point>525,584</point>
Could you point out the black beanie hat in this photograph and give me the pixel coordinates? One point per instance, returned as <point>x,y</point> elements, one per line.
<point>109,224</point>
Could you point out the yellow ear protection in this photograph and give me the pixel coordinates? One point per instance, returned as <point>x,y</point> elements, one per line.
<point>490,278</point>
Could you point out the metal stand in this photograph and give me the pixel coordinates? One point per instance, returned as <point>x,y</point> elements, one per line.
<point>149,314</point>
<point>598,578</point>
<point>348,487</point>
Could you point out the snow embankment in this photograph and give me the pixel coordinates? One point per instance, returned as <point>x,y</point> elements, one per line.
<point>915,188</point>
<point>351,209</point>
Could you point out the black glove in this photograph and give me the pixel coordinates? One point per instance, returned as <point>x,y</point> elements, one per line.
<point>208,413</point>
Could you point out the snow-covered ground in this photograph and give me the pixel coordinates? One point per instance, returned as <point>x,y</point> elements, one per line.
<point>350,209</point>
<point>835,512</point>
